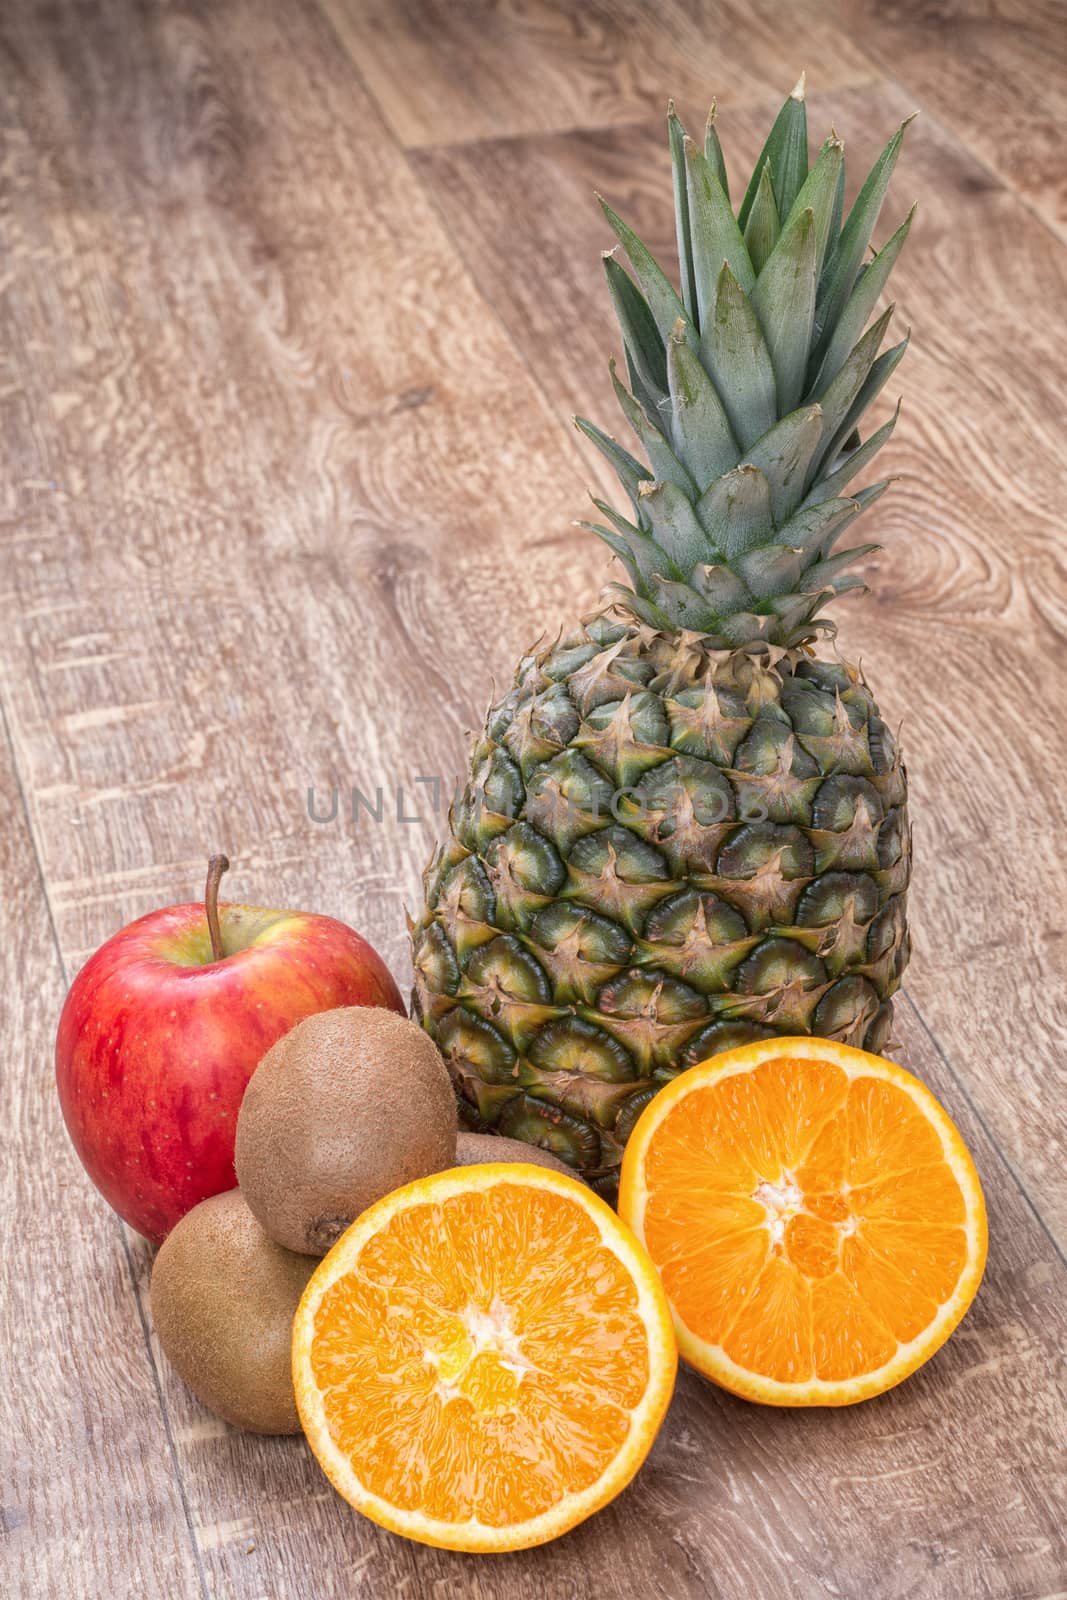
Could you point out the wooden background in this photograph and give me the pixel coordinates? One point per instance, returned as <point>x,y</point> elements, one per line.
<point>295,303</point>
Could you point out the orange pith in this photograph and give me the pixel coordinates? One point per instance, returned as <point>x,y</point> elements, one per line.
<point>484,1358</point>
<point>815,1217</point>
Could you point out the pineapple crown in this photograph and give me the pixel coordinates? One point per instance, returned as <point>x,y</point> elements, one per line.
<point>747,389</point>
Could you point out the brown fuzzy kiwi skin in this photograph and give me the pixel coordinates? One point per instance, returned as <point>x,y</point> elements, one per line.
<point>223,1300</point>
<point>346,1107</point>
<point>472,1149</point>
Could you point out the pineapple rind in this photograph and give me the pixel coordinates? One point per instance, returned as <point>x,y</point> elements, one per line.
<point>663,850</point>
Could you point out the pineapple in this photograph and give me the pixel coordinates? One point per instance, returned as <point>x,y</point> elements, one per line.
<point>684,829</point>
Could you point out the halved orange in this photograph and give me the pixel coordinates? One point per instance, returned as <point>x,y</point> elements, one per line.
<point>484,1358</point>
<point>814,1214</point>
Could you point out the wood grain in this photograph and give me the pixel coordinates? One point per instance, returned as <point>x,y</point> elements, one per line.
<point>86,1463</point>
<point>995,73</point>
<point>259,497</point>
<point>286,483</point>
<point>444,73</point>
<point>963,634</point>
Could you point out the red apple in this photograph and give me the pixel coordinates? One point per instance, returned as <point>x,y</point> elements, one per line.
<point>164,1026</point>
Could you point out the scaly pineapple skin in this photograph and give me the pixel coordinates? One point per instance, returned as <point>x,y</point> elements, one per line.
<point>609,909</point>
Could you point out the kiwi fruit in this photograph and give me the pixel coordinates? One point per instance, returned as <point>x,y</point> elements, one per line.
<point>474,1148</point>
<point>223,1300</point>
<point>349,1105</point>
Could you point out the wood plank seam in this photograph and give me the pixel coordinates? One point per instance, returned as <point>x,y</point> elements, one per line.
<point>965,1095</point>
<point>118,1228</point>
<point>168,1430</point>
<point>886,75</point>
<point>483,294</point>
<point>408,153</point>
<point>866,72</point>
<point>577,129</point>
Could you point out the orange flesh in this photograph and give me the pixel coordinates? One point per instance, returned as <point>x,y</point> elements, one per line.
<point>806,1224</point>
<point>482,1357</point>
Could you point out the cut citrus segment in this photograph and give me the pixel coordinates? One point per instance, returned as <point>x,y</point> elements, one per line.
<point>484,1358</point>
<point>815,1217</point>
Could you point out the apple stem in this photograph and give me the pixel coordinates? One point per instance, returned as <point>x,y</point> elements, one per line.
<point>215,868</point>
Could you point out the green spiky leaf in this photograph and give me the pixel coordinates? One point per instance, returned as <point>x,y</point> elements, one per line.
<point>660,294</point>
<point>665,464</point>
<point>837,339</point>
<point>700,428</point>
<point>770,569</point>
<point>747,392</point>
<point>837,214</point>
<point>829,571</point>
<point>681,600</point>
<point>843,266</point>
<point>715,234</point>
<point>797,621</point>
<point>721,588</point>
<point>620,547</point>
<point>638,604</point>
<point>744,627</point>
<point>640,336</point>
<point>875,381</point>
<point>818,194</point>
<point>874,491</point>
<point>829,487</point>
<point>784,455</point>
<point>814,529</point>
<point>682,230</point>
<point>784,302</point>
<point>674,525</point>
<point>639,553</point>
<point>839,395</point>
<point>713,152</point>
<point>735,353</point>
<point>786,151</point>
<point>762,227</point>
<point>629,471</point>
<point>736,511</point>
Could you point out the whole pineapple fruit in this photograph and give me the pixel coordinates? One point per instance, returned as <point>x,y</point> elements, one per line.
<point>682,829</point>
